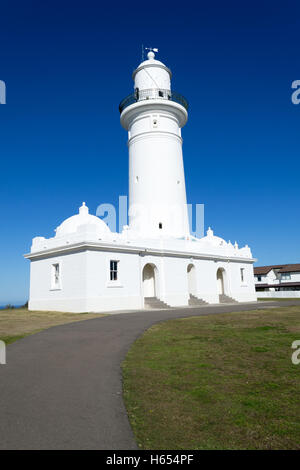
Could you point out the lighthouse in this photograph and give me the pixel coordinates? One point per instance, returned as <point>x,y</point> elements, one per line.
<point>154,263</point>
<point>154,116</point>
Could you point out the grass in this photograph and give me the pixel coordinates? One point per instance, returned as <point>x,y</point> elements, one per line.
<point>216,382</point>
<point>20,322</point>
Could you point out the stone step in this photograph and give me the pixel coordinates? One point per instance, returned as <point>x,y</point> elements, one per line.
<point>154,302</point>
<point>225,299</point>
<point>194,301</point>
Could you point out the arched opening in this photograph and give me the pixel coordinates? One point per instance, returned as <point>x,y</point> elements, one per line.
<point>149,287</point>
<point>220,281</point>
<point>191,274</point>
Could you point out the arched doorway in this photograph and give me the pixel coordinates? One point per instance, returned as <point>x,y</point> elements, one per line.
<point>149,288</point>
<point>191,274</point>
<point>220,281</point>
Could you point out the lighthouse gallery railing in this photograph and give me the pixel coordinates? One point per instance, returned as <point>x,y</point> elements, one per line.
<point>153,94</point>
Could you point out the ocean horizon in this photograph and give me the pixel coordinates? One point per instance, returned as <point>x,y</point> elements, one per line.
<point>17,304</point>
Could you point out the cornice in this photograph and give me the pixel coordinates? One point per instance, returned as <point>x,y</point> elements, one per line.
<point>94,246</point>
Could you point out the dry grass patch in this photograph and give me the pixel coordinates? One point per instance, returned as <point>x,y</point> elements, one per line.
<point>216,382</point>
<point>19,322</point>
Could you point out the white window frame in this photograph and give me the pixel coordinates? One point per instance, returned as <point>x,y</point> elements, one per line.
<point>113,270</point>
<point>56,285</point>
<point>113,282</point>
<point>243,276</point>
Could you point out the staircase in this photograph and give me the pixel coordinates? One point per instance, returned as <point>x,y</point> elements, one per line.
<point>195,301</point>
<point>225,299</point>
<point>153,302</point>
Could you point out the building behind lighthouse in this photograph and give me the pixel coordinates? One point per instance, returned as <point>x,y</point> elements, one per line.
<point>153,262</point>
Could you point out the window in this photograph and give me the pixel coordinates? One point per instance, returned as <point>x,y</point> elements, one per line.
<point>160,225</point>
<point>259,278</point>
<point>160,93</point>
<point>113,270</point>
<point>285,276</point>
<point>55,283</point>
<point>243,274</point>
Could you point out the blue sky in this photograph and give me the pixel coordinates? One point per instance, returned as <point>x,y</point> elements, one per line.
<point>67,65</point>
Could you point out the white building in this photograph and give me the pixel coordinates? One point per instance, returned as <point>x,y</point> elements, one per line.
<point>278,278</point>
<point>154,261</point>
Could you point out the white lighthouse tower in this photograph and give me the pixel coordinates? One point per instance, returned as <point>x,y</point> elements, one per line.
<point>155,262</point>
<point>154,116</point>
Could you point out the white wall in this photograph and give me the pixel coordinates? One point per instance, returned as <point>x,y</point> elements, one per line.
<point>86,285</point>
<point>269,278</point>
<point>295,277</point>
<point>242,291</point>
<point>72,294</point>
<point>279,294</point>
<point>123,294</point>
<point>157,191</point>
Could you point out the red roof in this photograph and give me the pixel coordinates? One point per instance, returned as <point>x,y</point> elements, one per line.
<point>282,268</point>
<point>290,268</point>
<point>266,269</point>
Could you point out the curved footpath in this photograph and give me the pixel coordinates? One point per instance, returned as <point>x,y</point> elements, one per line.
<point>62,388</point>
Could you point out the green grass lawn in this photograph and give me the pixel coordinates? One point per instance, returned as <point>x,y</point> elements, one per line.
<point>16,323</point>
<point>216,382</point>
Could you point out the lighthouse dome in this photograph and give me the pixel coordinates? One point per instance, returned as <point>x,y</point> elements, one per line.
<point>83,218</point>
<point>151,63</point>
<point>152,74</point>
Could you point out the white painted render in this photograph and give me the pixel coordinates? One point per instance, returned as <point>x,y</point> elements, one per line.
<point>84,261</point>
<point>269,278</point>
<point>295,277</point>
<point>155,256</point>
<point>284,294</point>
<point>157,194</point>
<point>152,74</point>
<point>275,278</point>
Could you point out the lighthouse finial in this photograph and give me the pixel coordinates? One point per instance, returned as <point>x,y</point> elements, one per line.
<point>151,54</point>
<point>83,209</point>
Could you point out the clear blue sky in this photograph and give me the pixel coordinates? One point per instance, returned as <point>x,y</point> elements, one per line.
<point>68,64</point>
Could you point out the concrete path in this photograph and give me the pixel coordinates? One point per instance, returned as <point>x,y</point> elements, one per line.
<point>62,388</point>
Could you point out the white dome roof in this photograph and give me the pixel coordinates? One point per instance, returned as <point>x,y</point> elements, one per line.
<point>151,62</point>
<point>72,224</point>
<point>213,239</point>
